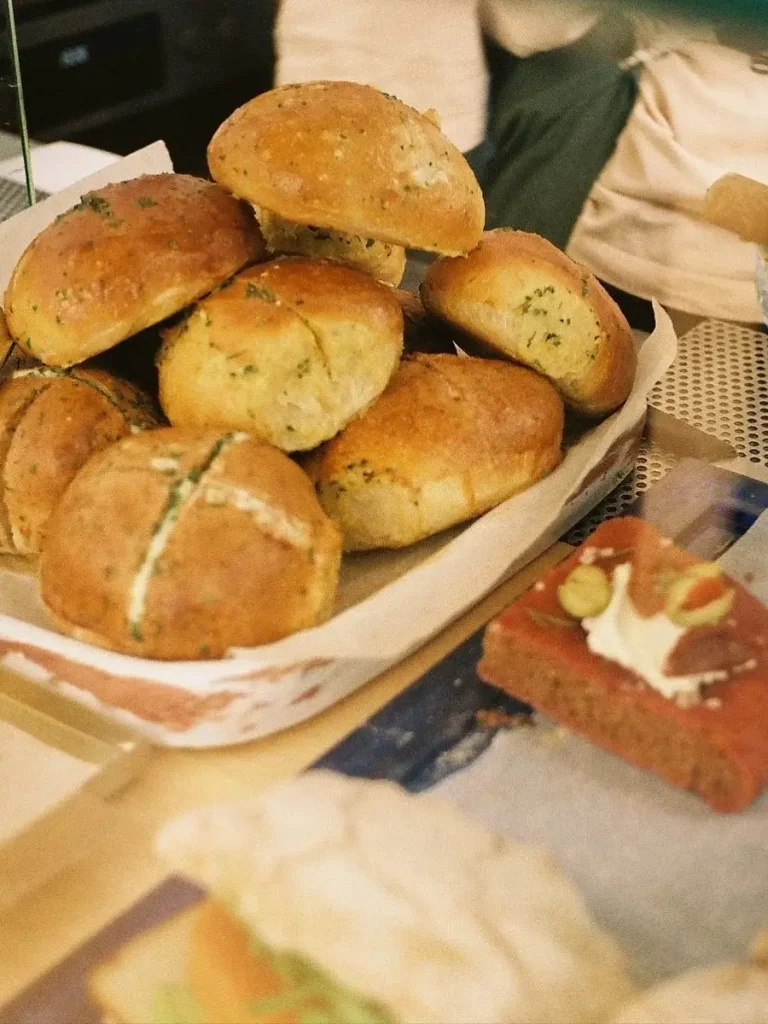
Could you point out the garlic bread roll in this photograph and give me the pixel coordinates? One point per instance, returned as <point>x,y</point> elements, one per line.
<point>51,423</point>
<point>451,437</point>
<point>345,156</point>
<point>182,544</point>
<point>290,350</point>
<point>126,257</point>
<point>523,298</point>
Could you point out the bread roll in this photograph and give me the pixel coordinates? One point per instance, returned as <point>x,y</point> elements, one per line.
<point>381,260</point>
<point>51,423</point>
<point>127,256</point>
<point>451,437</point>
<point>290,350</point>
<point>182,544</point>
<point>345,156</point>
<point>521,296</point>
<point>740,205</point>
<point>6,341</point>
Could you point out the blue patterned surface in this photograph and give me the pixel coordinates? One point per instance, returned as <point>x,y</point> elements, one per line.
<point>429,731</point>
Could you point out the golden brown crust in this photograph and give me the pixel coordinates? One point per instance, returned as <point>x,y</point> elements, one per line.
<point>449,438</point>
<point>51,423</point>
<point>290,350</point>
<point>6,341</point>
<point>126,257</point>
<point>381,260</point>
<point>521,296</point>
<point>182,544</point>
<point>346,156</point>
<point>739,204</point>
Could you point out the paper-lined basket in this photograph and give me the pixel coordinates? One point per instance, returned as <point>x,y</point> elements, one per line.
<point>390,602</point>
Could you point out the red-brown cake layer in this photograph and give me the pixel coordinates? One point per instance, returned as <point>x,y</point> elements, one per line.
<point>718,747</point>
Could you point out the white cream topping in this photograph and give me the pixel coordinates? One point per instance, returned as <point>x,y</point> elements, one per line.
<point>273,520</point>
<point>39,371</point>
<point>137,596</point>
<point>641,644</point>
<point>165,465</point>
<point>138,593</point>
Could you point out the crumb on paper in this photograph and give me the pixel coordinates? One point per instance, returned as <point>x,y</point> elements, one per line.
<point>553,739</point>
<point>461,755</point>
<point>493,718</point>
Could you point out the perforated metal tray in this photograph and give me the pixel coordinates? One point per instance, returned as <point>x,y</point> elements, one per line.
<point>718,383</point>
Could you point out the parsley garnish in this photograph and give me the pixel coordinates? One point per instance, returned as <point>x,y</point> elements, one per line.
<point>253,291</point>
<point>97,204</point>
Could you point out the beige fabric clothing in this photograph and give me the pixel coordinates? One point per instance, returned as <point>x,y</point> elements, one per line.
<point>428,53</point>
<point>701,112</point>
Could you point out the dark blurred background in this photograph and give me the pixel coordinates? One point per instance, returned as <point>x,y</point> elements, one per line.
<point>118,74</point>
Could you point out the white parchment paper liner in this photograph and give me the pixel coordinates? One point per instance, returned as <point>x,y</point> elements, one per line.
<point>408,596</point>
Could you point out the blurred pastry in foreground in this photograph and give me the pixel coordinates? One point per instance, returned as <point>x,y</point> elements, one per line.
<point>126,257</point>
<point>290,350</point>
<point>740,205</point>
<point>381,260</point>
<point>651,653</point>
<point>51,423</point>
<point>349,901</point>
<point>522,297</point>
<point>451,437</point>
<point>346,157</point>
<point>181,544</point>
<point>727,994</point>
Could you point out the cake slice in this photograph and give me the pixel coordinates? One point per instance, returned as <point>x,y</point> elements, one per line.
<point>651,653</point>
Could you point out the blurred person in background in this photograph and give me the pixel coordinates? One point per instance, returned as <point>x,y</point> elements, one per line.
<point>601,133</point>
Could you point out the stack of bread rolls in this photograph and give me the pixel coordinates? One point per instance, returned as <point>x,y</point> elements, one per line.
<point>273,294</point>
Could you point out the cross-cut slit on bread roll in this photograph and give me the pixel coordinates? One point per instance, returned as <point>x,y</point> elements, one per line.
<point>290,350</point>
<point>519,295</point>
<point>347,157</point>
<point>126,257</point>
<point>450,438</point>
<point>182,544</point>
<point>381,260</point>
<point>51,423</point>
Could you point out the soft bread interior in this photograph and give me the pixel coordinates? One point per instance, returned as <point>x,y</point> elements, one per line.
<point>543,324</point>
<point>128,987</point>
<point>381,260</point>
